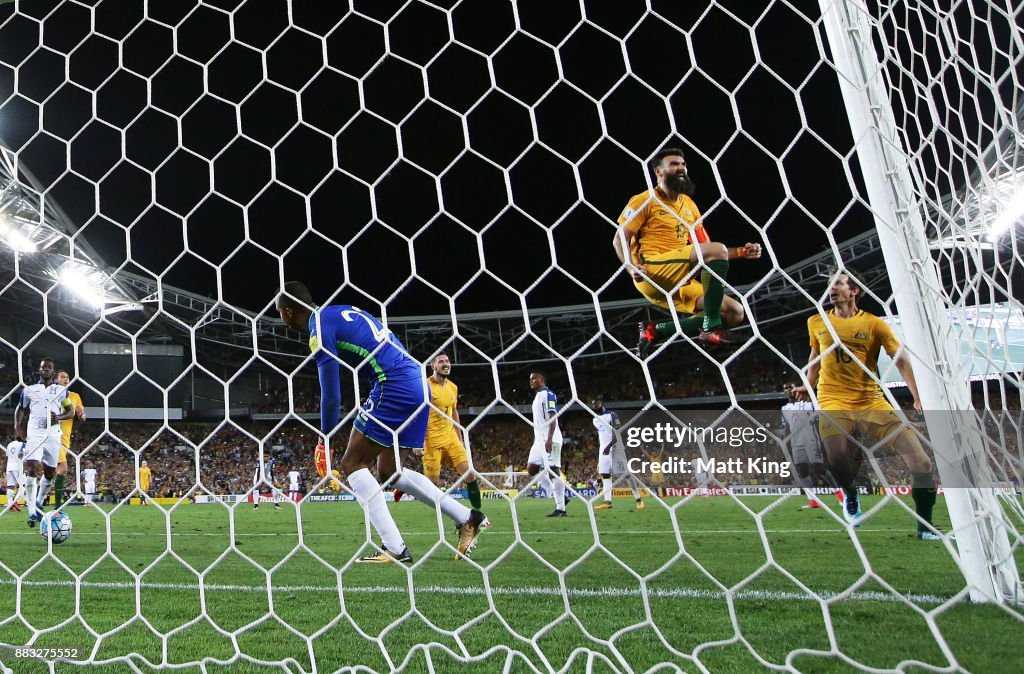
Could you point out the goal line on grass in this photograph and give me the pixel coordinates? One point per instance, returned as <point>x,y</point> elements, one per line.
<point>604,592</point>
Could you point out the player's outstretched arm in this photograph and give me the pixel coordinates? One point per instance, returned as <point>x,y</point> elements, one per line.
<point>748,251</point>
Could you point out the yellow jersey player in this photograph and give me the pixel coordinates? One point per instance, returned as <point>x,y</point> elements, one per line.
<point>851,400</point>
<point>443,444</point>
<point>64,379</point>
<point>663,243</point>
<point>145,475</point>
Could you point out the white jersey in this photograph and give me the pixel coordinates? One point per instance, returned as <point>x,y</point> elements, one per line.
<point>293,480</point>
<point>268,472</point>
<point>14,450</point>
<point>799,418</point>
<point>89,475</point>
<point>545,403</point>
<point>606,423</point>
<point>41,400</point>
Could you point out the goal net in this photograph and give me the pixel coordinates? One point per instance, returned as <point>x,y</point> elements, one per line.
<point>459,169</point>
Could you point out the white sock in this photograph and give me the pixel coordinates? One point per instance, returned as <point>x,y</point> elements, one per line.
<point>44,490</point>
<point>606,489</point>
<point>545,482</point>
<point>559,492</point>
<point>424,490</point>
<point>365,487</point>
<point>30,495</point>
<point>12,498</point>
<point>637,494</point>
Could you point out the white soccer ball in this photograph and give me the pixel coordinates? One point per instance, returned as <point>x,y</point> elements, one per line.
<point>56,526</point>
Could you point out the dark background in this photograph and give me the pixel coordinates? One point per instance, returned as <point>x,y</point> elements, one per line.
<point>399,155</point>
<point>334,154</point>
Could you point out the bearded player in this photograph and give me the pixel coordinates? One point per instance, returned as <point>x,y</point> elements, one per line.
<point>64,379</point>
<point>851,400</point>
<point>662,242</point>
<point>443,445</point>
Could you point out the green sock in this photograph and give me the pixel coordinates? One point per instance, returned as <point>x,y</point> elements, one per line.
<point>691,326</point>
<point>473,490</point>
<point>714,291</point>
<point>58,490</point>
<point>923,492</point>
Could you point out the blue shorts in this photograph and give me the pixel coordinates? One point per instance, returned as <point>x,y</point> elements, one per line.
<point>390,405</point>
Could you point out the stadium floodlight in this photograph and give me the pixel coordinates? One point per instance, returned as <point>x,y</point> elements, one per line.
<point>82,282</point>
<point>14,238</point>
<point>1008,204</point>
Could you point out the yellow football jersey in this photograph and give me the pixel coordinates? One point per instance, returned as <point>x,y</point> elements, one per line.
<point>661,225</point>
<point>444,397</point>
<point>65,426</point>
<point>843,383</point>
<point>144,475</point>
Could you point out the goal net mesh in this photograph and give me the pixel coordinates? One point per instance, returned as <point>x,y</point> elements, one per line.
<point>457,168</point>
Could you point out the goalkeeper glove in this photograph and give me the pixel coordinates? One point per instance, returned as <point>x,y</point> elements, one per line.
<point>320,459</point>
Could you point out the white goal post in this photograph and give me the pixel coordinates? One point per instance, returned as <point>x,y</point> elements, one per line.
<point>979,522</point>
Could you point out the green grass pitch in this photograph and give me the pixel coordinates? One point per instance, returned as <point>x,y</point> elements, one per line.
<point>542,594</point>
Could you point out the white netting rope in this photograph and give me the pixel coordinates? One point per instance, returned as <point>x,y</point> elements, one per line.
<point>911,69</point>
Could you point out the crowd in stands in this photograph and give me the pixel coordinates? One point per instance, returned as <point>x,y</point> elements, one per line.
<point>223,457</point>
<point>228,455</point>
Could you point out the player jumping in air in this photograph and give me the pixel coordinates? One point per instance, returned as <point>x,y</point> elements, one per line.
<point>611,458</point>
<point>546,452</point>
<point>47,404</point>
<point>395,406</point>
<point>662,241</point>
<point>851,400</point>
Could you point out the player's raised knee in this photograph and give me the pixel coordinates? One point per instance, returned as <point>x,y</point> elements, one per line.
<point>713,250</point>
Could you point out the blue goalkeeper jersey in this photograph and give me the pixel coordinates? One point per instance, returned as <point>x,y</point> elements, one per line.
<point>352,336</point>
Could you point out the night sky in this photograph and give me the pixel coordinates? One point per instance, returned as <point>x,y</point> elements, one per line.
<point>196,141</point>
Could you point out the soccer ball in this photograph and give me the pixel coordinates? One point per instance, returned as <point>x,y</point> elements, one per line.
<point>56,526</point>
